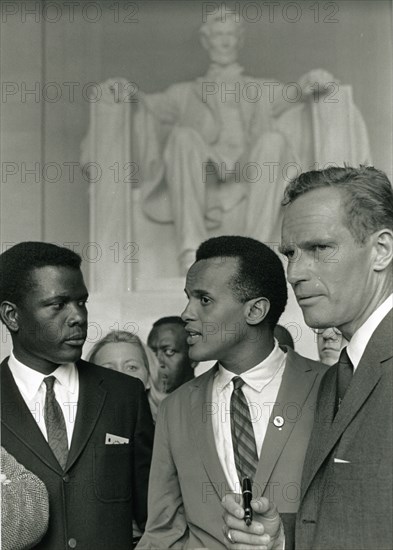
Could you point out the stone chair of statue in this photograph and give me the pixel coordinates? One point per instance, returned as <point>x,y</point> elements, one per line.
<point>205,157</point>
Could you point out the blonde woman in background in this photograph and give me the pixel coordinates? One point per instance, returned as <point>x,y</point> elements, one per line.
<point>125,352</point>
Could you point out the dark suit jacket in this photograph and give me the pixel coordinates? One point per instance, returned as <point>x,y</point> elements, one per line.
<point>348,505</point>
<point>103,486</point>
<point>187,481</point>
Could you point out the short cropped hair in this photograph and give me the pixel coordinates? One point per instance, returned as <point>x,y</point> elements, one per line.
<point>260,271</point>
<point>116,337</point>
<point>367,193</point>
<point>171,320</point>
<point>18,262</point>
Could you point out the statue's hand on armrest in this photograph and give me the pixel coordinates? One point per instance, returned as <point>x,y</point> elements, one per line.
<point>120,90</point>
<point>317,81</point>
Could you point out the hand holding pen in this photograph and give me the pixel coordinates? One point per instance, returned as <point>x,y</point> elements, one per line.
<point>247,497</point>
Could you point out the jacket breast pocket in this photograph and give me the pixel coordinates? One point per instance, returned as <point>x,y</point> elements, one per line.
<point>356,471</point>
<point>112,472</point>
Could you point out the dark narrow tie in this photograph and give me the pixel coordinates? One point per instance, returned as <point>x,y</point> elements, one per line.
<point>55,424</point>
<point>344,374</point>
<point>243,439</point>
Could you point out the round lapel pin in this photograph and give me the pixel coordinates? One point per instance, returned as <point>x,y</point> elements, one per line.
<point>278,421</point>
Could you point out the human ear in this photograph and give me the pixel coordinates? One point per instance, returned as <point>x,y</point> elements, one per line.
<point>383,245</point>
<point>256,310</point>
<point>9,315</point>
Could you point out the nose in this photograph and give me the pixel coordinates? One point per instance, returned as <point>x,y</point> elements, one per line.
<point>329,334</point>
<point>188,314</point>
<point>117,366</point>
<point>297,270</point>
<point>77,314</point>
<point>161,359</point>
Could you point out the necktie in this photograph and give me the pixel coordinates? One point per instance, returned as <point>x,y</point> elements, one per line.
<point>55,424</point>
<point>243,439</point>
<point>344,374</point>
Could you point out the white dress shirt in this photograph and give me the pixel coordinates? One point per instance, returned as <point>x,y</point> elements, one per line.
<point>362,336</point>
<point>33,390</point>
<point>262,383</point>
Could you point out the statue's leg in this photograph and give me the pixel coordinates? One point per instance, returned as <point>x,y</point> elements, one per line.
<point>185,158</point>
<point>266,174</point>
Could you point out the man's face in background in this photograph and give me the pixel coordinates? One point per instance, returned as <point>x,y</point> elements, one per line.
<point>168,341</point>
<point>330,342</point>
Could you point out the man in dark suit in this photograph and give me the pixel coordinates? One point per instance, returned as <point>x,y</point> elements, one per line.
<point>236,293</point>
<point>85,431</point>
<point>338,237</point>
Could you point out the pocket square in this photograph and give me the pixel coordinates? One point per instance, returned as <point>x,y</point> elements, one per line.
<point>341,461</point>
<point>111,439</point>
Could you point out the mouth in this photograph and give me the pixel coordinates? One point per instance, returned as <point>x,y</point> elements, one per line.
<point>77,340</point>
<point>305,300</point>
<point>328,350</point>
<point>193,336</point>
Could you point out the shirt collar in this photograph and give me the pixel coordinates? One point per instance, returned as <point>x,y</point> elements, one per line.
<point>29,380</point>
<point>362,336</point>
<point>257,377</point>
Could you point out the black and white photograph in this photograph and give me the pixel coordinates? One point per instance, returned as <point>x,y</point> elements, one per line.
<point>196,292</point>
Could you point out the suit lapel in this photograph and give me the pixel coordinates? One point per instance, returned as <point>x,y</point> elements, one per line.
<point>366,377</point>
<point>17,417</point>
<point>201,399</point>
<point>90,402</point>
<point>321,432</point>
<point>298,379</point>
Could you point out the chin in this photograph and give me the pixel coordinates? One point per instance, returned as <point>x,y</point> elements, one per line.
<point>223,59</point>
<point>194,355</point>
<point>330,361</point>
<point>72,357</point>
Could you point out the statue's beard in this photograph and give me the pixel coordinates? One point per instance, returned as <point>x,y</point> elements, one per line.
<point>223,58</point>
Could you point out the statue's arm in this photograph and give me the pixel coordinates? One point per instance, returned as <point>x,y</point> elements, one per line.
<point>308,88</point>
<point>165,106</point>
<point>316,82</point>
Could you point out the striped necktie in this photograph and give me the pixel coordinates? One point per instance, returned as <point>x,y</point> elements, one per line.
<point>55,424</point>
<point>243,439</point>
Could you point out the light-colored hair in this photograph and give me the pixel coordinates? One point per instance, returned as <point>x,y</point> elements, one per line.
<point>367,196</point>
<point>116,337</point>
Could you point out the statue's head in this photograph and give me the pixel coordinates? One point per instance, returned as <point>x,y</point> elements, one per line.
<point>222,36</point>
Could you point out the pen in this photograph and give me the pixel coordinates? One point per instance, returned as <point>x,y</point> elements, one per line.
<point>247,496</point>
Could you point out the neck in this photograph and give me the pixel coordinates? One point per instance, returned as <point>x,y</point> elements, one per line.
<point>42,366</point>
<point>246,357</point>
<point>349,329</point>
<point>216,66</point>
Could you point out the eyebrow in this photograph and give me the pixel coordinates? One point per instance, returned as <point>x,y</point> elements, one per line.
<point>305,244</point>
<point>64,297</point>
<point>198,292</point>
